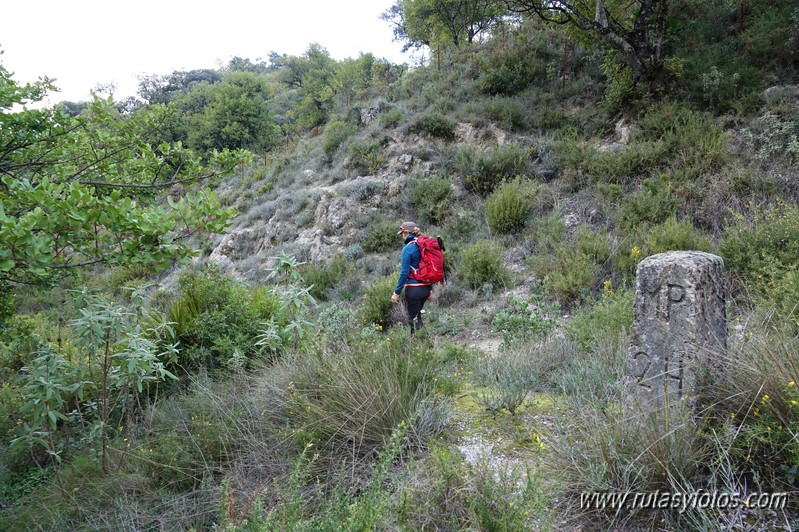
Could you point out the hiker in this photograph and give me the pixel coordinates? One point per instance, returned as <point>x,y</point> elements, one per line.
<point>416,291</point>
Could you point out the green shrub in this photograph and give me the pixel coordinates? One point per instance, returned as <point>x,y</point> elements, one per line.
<point>653,203</point>
<point>322,277</point>
<point>768,242</point>
<point>771,136</point>
<point>21,340</point>
<point>431,198</point>
<point>608,318</point>
<point>391,118</point>
<point>483,171</point>
<point>778,298</point>
<point>526,61</point>
<point>506,379</point>
<point>382,237</point>
<point>575,268</point>
<point>505,79</point>
<point>627,453</point>
<point>524,319</point>
<point>675,235</point>
<point>511,113</point>
<point>376,306</point>
<point>214,316</point>
<point>436,125</point>
<point>481,264</point>
<point>686,141</point>
<point>366,158</point>
<point>507,208</point>
<point>671,140</point>
<point>461,225</point>
<point>336,132</point>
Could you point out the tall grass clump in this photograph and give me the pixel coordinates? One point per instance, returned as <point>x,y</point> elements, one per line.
<point>626,452</point>
<point>757,396</point>
<point>507,378</point>
<point>604,445</point>
<point>353,388</point>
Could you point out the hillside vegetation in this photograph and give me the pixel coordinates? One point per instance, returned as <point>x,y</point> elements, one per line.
<point>196,331</point>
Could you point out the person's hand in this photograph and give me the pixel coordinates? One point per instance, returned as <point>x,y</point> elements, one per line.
<point>394,297</point>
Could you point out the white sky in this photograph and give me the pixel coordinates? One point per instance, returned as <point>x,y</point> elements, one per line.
<point>83,43</point>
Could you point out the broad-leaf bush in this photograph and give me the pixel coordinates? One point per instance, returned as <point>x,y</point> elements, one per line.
<point>213,316</point>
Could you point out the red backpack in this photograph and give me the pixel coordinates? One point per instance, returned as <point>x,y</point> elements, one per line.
<point>431,265</point>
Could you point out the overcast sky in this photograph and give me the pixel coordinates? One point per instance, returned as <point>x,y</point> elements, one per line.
<point>83,43</point>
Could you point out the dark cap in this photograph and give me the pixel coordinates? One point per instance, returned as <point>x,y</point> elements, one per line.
<point>409,227</point>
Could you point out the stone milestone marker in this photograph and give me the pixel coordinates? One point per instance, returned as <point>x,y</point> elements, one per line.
<point>679,320</point>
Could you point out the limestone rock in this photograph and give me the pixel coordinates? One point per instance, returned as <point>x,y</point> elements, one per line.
<point>369,114</point>
<point>679,326</point>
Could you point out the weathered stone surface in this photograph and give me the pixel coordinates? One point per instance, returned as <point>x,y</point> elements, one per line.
<point>679,322</point>
<point>367,115</point>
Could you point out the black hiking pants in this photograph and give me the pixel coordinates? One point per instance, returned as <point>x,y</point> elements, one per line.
<point>415,296</point>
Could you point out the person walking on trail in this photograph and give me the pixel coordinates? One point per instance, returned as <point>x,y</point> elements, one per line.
<point>416,292</point>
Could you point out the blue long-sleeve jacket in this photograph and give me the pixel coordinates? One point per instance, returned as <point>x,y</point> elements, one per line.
<point>410,260</point>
